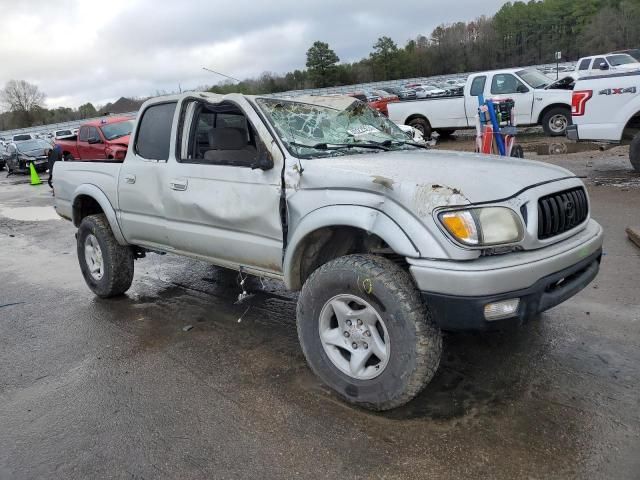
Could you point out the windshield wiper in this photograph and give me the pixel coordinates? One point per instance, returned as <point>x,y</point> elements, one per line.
<point>389,143</point>
<point>342,146</point>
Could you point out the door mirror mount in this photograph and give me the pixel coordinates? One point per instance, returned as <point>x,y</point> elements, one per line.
<point>264,160</point>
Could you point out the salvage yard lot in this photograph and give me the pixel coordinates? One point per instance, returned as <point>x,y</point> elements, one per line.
<point>176,380</point>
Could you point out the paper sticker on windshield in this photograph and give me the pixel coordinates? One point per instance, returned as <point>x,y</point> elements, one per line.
<point>363,130</point>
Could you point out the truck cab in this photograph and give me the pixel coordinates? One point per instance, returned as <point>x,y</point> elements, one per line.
<point>614,62</point>
<point>536,102</point>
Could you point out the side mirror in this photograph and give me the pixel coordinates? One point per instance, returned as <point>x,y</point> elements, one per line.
<point>265,159</point>
<point>93,141</point>
<point>604,66</point>
<point>522,89</point>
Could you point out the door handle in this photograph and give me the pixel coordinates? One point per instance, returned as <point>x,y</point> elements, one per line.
<point>130,179</point>
<point>180,185</point>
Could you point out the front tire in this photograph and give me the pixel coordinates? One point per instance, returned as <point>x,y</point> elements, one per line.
<point>634,152</point>
<point>106,266</point>
<point>366,333</point>
<point>556,121</point>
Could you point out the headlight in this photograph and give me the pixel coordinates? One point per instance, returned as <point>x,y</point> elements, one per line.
<point>480,227</point>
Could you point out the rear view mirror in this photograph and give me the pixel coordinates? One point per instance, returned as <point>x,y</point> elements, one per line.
<point>522,89</point>
<point>93,141</point>
<point>604,66</point>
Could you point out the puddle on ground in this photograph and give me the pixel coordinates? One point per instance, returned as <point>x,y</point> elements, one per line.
<point>30,214</point>
<point>616,178</point>
<point>564,148</point>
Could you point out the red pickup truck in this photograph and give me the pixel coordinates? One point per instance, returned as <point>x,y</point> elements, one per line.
<point>105,139</point>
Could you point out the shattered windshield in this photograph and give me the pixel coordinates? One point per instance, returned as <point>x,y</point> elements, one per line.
<point>332,126</point>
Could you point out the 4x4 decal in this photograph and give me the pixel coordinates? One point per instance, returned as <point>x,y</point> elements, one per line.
<point>617,91</point>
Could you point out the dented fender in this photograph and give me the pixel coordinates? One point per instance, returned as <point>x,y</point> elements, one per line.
<point>368,219</point>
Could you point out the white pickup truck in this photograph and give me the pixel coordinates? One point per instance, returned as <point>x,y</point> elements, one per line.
<point>612,62</point>
<point>607,108</point>
<point>538,101</point>
<point>388,241</point>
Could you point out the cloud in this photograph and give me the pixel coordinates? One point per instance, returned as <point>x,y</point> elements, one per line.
<point>79,51</point>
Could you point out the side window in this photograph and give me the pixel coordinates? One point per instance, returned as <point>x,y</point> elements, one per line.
<point>223,137</point>
<point>505,83</point>
<point>84,134</point>
<point>599,62</point>
<point>584,64</point>
<point>93,133</point>
<point>154,132</point>
<point>477,86</point>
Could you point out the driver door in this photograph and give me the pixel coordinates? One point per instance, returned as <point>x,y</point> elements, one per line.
<point>218,205</point>
<point>507,85</point>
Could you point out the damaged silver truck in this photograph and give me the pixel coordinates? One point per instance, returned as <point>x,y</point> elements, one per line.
<point>388,243</point>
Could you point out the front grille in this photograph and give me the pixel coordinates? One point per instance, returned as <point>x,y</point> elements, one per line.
<point>562,211</point>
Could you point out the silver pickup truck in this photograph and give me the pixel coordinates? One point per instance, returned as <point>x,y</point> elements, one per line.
<point>388,242</point>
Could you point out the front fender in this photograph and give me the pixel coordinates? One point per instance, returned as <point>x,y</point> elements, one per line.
<point>99,196</point>
<point>368,219</point>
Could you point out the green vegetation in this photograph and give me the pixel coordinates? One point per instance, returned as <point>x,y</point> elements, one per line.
<point>518,34</point>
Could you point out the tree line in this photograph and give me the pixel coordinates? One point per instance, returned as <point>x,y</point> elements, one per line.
<point>520,33</point>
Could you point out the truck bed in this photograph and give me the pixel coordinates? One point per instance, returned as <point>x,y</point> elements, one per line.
<point>100,175</point>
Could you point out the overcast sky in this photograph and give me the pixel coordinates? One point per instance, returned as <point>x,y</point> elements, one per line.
<point>88,50</point>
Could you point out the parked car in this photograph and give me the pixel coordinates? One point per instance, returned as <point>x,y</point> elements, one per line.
<point>616,62</point>
<point>21,137</point>
<point>3,155</point>
<point>105,139</point>
<point>60,134</point>
<point>535,103</point>
<point>607,108</point>
<point>401,93</point>
<point>20,154</point>
<point>428,91</point>
<point>387,241</point>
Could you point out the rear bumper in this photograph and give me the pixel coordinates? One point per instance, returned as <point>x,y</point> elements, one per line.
<point>459,313</point>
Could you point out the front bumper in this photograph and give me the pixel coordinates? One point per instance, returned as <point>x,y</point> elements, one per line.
<point>456,313</point>
<point>572,132</point>
<point>458,291</point>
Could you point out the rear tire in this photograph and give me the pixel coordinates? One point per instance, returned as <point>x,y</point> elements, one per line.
<point>68,157</point>
<point>366,333</point>
<point>106,266</point>
<point>634,152</point>
<point>556,121</point>
<point>423,125</point>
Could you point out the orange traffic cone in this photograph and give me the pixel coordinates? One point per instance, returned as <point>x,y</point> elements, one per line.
<point>35,179</point>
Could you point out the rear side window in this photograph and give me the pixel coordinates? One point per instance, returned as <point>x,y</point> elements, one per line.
<point>477,86</point>
<point>154,132</point>
<point>84,134</point>
<point>584,64</point>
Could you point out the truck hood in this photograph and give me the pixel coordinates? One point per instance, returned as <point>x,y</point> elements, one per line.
<point>122,141</point>
<point>430,179</point>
